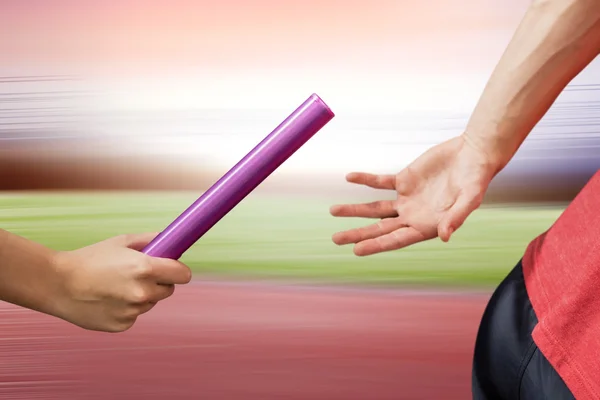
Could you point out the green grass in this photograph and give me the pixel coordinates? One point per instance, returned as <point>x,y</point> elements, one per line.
<point>282,237</point>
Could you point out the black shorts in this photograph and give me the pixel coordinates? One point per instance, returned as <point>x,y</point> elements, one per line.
<point>507,364</point>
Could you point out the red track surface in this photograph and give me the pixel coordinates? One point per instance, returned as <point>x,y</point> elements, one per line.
<point>228,341</point>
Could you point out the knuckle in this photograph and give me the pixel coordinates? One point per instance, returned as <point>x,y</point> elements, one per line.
<point>372,204</point>
<point>380,227</point>
<point>131,313</point>
<point>120,326</point>
<point>125,326</point>
<point>142,269</point>
<point>139,296</point>
<point>169,291</point>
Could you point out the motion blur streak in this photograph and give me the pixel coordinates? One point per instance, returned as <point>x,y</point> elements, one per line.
<point>252,341</point>
<point>116,115</point>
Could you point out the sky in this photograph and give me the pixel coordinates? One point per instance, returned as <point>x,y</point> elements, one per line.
<point>361,57</point>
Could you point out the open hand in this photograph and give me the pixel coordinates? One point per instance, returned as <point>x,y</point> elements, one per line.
<point>436,193</point>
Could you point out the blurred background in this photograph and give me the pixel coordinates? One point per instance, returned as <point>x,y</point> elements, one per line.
<point>115,116</point>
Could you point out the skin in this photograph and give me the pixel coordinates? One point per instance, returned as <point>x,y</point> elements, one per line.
<point>108,285</point>
<point>102,287</point>
<point>555,41</point>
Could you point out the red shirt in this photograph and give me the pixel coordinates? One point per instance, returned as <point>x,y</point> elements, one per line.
<point>562,276</point>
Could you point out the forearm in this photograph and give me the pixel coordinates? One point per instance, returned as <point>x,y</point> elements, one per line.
<point>555,41</point>
<point>28,277</point>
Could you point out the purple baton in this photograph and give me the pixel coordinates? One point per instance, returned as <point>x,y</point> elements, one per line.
<point>242,179</point>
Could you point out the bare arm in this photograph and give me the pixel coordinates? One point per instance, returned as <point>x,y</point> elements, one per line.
<point>555,41</point>
<point>27,275</point>
<point>104,287</point>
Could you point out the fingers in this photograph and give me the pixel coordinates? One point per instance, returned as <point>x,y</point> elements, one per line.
<point>376,209</point>
<point>165,271</point>
<point>154,279</point>
<point>142,300</point>
<point>162,270</point>
<point>161,292</point>
<point>142,309</point>
<point>372,180</point>
<point>129,317</point>
<point>457,214</point>
<point>149,293</point>
<point>395,240</point>
<point>356,235</point>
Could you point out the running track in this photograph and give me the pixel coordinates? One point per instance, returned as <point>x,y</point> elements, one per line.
<point>216,340</point>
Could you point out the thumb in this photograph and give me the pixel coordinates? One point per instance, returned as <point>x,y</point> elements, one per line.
<point>457,214</point>
<point>135,241</point>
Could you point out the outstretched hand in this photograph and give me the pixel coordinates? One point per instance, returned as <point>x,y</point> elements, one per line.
<point>436,194</point>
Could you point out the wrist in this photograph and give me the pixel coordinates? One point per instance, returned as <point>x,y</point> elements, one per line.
<point>494,156</point>
<point>61,269</point>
